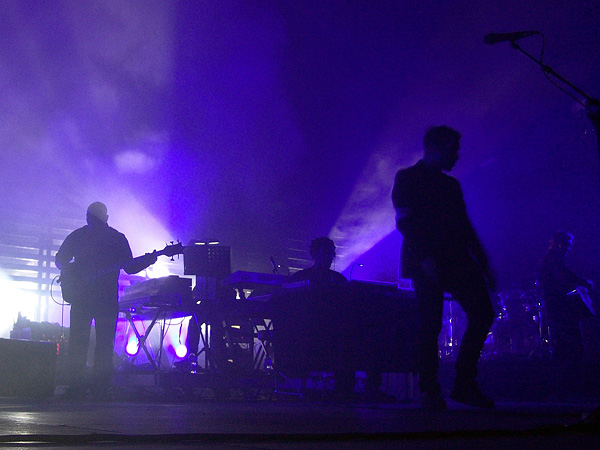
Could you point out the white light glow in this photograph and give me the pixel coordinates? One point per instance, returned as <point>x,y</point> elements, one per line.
<point>181,351</point>
<point>135,161</point>
<point>12,302</point>
<point>132,345</point>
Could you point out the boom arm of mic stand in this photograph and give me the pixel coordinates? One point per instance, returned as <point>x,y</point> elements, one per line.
<point>594,116</point>
<point>591,104</point>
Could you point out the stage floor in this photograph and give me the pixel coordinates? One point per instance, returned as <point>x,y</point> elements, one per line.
<point>203,412</point>
<point>292,423</point>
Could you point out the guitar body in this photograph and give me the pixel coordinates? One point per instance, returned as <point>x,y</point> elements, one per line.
<point>72,283</point>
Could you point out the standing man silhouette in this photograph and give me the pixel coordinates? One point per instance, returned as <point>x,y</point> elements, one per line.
<point>442,253</point>
<point>93,255</point>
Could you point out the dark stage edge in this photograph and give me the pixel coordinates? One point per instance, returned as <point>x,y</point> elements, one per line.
<point>249,415</point>
<point>54,423</point>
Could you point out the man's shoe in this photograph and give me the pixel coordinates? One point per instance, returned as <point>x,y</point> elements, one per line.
<point>471,395</point>
<point>432,401</point>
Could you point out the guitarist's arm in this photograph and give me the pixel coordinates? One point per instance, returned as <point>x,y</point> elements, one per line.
<point>140,263</point>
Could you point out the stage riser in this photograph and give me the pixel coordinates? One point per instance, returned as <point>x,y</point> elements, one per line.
<point>27,368</point>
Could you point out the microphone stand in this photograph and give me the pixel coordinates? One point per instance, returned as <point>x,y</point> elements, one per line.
<point>591,104</point>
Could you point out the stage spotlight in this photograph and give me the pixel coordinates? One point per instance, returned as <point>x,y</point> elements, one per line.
<point>133,346</point>
<point>352,268</point>
<point>204,242</point>
<point>181,351</point>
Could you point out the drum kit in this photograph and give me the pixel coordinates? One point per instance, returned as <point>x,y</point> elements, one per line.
<point>521,327</point>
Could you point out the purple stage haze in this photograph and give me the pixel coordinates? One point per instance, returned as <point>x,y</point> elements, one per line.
<point>265,124</point>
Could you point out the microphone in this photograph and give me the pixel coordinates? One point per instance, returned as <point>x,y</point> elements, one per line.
<point>494,38</point>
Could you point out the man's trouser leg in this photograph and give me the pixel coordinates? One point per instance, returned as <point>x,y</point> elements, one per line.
<point>473,297</point>
<point>106,322</point>
<point>430,297</point>
<point>79,338</point>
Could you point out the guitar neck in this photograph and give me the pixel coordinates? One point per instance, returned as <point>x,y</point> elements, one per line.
<point>169,250</point>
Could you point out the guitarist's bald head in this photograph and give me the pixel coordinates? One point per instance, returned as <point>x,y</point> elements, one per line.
<point>97,212</point>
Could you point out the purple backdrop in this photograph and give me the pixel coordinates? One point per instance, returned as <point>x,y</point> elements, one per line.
<point>261,123</point>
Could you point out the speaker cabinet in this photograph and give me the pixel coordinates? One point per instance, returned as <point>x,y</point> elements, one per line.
<point>27,368</point>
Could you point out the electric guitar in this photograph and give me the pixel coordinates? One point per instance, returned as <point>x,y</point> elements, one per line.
<point>74,282</point>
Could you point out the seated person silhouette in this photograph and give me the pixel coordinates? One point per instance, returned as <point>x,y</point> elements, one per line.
<point>331,323</point>
<point>322,251</point>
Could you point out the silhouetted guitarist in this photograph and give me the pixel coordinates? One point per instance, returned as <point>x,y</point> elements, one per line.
<point>88,252</point>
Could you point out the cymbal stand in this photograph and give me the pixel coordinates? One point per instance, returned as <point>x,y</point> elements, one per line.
<point>543,347</point>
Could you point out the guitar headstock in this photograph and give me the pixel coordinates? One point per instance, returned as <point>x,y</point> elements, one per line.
<point>171,250</point>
